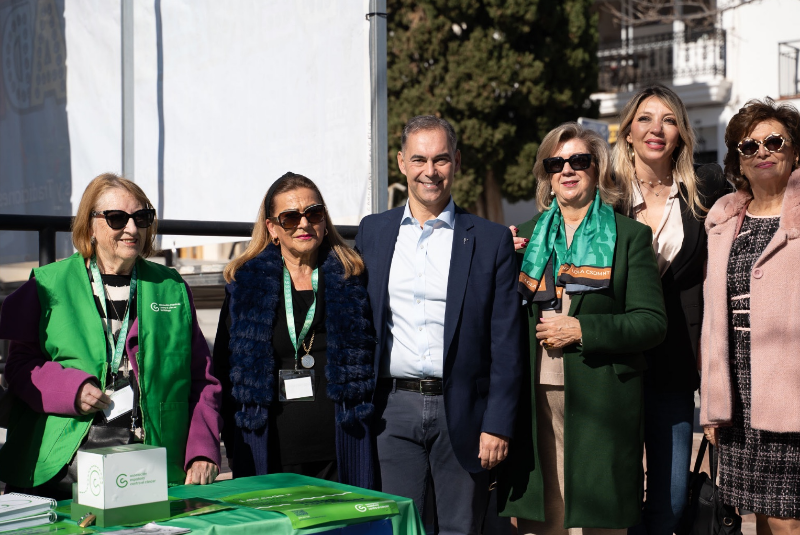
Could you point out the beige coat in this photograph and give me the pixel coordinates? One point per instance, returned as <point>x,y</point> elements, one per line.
<point>774,318</point>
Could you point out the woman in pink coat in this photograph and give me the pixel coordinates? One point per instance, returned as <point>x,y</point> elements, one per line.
<point>750,392</point>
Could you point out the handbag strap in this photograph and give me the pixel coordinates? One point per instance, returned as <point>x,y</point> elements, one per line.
<point>712,463</point>
<point>701,453</point>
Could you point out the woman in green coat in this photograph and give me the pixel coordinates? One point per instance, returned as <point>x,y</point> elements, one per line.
<point>592,294</point>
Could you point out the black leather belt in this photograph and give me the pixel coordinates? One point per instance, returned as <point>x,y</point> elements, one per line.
<point>431,386</point>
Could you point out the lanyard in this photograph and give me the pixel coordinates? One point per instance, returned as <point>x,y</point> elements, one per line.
<point>119,346</point>
<point>287,298</point>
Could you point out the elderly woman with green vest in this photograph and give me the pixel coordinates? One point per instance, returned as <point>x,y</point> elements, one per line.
<point>105,324</point>
<point>592,294</point>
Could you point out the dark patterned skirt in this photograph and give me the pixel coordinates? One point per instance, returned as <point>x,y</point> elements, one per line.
<point>758,470</point>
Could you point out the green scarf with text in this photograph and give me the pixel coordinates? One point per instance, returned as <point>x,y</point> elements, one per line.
<point>584,266</point>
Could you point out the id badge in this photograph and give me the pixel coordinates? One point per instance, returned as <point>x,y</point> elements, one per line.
<point>121,403</point>
<point>296,385</point>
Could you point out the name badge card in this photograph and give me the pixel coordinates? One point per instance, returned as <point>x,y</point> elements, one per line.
<point>121,403</point>
<point>296,385</point>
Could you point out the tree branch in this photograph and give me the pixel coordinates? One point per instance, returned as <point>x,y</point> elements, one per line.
<point>663,11</point>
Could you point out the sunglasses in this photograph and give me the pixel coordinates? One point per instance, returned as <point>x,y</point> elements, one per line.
<point>578,162</point>
<point>290,219</point>
<point>748,147</point>
<point>117,219</point>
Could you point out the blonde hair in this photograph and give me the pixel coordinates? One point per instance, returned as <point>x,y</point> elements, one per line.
<point>352,262</point>
<point>601,162</point>
<point>682,158</point>
<point>82,222</point>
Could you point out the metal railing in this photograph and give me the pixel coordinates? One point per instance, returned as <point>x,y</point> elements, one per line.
<point>666,57</point>
<point>48,225</point>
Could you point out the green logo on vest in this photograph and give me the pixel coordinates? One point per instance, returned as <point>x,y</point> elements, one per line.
<point>122,481</point>
<point>164,307</point>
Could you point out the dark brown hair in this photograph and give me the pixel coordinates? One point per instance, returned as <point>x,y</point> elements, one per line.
<point>743,123</point>
<point>352,262</point>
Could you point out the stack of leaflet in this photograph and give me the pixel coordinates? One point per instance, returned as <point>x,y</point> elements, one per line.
<point>23,511</point>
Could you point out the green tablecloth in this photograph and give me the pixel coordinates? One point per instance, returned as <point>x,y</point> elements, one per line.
<point>245,521</point>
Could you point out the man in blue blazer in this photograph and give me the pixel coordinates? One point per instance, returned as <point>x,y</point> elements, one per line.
<point>442,286</point>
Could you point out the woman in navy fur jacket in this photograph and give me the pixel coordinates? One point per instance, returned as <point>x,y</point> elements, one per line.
<point>294,346</point>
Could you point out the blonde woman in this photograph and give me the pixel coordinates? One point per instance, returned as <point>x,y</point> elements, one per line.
<point>660,187</point>
<point>594,305</point>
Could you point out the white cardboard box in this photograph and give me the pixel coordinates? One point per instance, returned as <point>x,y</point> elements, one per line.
<point>121,476</point>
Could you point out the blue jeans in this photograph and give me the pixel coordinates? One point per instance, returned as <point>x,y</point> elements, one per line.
<point>668,419</point>
<point>414,445</point>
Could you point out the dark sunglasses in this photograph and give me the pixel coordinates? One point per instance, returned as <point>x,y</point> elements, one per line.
<point>578,162</point>
<point>117,219</point>
<point>748,147</point>
<point>290,219</point>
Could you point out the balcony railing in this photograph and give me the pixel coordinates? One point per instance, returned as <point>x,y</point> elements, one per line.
<point>788,61</point>
<point>676,57</point>
<point>47,226</point>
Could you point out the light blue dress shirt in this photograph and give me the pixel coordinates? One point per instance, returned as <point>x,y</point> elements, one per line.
<point>418,296</point>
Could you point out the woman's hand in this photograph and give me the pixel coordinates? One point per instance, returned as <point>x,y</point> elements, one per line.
<point>201,473</point>
<point>711,435</point>
<point>519,243</point>
<point>559,331</point>
<point>91,399</point>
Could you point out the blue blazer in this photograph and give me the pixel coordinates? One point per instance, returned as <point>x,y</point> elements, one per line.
<point>482,324</point>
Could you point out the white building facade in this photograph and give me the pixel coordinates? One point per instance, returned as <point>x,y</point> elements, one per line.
<point>740,51</point>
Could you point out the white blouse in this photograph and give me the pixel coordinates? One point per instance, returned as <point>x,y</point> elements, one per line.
<point>668,237</point>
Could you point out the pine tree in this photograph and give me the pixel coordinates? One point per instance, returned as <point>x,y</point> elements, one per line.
<point>503,72</point>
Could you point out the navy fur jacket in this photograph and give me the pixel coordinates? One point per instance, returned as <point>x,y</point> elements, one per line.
<point>248,370</point>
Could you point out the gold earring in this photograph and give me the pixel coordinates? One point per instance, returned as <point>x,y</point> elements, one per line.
<point>276,241</point>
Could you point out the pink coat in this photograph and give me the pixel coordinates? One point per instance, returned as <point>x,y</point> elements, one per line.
<point>774,319</point>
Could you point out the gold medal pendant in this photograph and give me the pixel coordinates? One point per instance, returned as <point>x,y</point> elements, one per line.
<point>307,361</point>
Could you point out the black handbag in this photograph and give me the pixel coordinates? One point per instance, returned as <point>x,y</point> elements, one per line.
<point>705,514</point>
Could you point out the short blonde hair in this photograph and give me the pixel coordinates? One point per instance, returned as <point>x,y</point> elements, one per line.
<point>82,222</point>
<point>601,162</point>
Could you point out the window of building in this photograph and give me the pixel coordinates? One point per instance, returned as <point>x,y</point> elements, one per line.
<point>788,55</point>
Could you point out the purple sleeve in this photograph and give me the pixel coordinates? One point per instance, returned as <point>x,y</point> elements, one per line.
<point>44,385</point>
<point>205,420</point>
<point>204,400</point>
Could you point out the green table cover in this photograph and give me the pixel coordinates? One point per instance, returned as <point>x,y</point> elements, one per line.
<point>245,521</point>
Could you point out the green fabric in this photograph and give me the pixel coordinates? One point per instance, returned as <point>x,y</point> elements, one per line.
<point>586,263</point>
<point>165,361</point>
<point>246,521</point>
<point>603,428</point>
<point>311,505</point>
<point>71,333</point>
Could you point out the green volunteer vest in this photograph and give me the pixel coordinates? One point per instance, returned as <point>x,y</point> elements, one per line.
<point>71,333</point>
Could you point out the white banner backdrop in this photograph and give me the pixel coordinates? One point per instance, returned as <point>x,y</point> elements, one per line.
<point>34,140</point>
<point>251,89</point>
